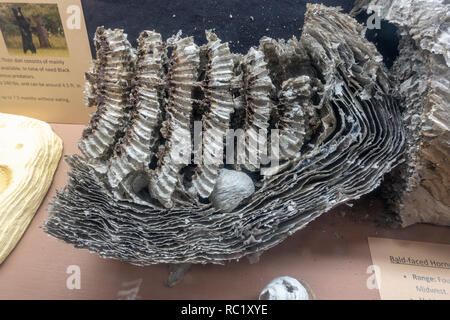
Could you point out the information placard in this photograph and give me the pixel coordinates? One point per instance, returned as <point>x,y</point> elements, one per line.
<point>44,53</point>
<point>410,269</point>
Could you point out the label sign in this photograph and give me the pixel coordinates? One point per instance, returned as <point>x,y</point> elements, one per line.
<point>44,53</point>
<point>411,270</point>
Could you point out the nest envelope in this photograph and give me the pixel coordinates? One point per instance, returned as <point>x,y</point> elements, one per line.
<point>327,94</point>
<point>419,189</point>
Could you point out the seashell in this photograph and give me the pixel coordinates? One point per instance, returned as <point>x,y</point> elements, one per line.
<point>419,189</point>
<point>325,101</point>
<point>29,155</point>
<point>284,288</point>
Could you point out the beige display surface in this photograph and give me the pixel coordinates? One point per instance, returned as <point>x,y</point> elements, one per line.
<point>46,84</point>
<point>410,269</point>
<point>330,254</point>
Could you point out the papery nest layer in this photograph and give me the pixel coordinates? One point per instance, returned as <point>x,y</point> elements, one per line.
<point>327,95</point>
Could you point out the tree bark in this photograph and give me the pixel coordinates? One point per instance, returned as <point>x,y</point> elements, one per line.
<point>42,33</point>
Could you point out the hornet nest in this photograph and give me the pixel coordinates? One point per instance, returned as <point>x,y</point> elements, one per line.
<point>321,105</point>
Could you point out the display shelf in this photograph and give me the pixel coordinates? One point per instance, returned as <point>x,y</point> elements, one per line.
<point>331,254</point>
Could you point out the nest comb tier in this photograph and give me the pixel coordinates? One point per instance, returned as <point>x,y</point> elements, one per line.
<point>333,130</point>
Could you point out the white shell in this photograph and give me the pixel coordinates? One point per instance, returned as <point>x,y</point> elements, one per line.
<point>284,288</point>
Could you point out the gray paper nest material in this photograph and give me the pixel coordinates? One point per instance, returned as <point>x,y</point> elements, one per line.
<point>327,93</point>
<point>419,189</point>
